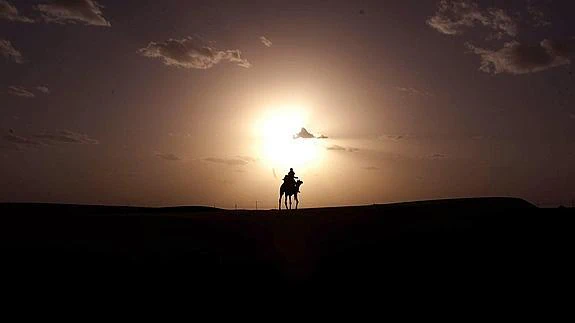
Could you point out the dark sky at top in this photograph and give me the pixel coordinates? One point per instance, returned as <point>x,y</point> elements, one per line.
<point>159,102</point>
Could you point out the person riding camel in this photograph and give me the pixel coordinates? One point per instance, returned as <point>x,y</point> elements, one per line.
<point>290,178</point>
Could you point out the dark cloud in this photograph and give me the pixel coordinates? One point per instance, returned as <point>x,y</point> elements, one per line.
<point>65,137</point>
<point>516,58</point>
<point>168,157</point>
<point>88,12</point>
<point>412,91</point>
<point>10,12</point>
<point>323,137</point>
<point>438,156</point>
<point>266,42</point>
<point>191,52</point>
<point>9,52</point>
<point>352,149</point>
<point>227,161</point>
<point>454,16</point>
<point>21,92</point>
<point>43,89</point>
<point>304,134</point>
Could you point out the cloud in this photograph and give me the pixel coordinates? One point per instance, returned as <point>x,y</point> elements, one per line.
<point>393,137</point>
<point>43,89</point>
<point>9,52</point>
<point>191,52</point>
<point>88,12</point>
<point>454,16</point>
<point>65,137</point>
<point>304,134</point>
<point>336,147</point>
<point>20,141</point>
<point>21,92</point>
<point>323,137</point>
<point>340,148</point>
<point>247,159</point>
<point>227,161</point>
<point>516,58</point>
<point>10,12</point>
<point>412,91</point>
<point>266,42</point>
<point>47,138</point>
<point>168,157</point>
<point>438,156</point>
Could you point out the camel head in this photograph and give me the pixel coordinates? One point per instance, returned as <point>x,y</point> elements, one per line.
<point>299,183</point>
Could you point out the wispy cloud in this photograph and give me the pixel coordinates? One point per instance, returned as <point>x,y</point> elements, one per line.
<point>65,137</point>
<point>438,156</point>
<point>517,58</point>
<point>9,52</point>
<point>228,161</point>
<point>393,137</point>
<point>336,147</point>
<point>46,139</point>
<point>412,91</point>
<point>21,92</point>
<point>43,89</point>
<point>341,148</point>
<point>168,156</point>
<point>20,141</point>
<point>454,16</point>
<point>191,52</point>
<point>11,13</point>
<point>87,12</point>
<point>266,42</point>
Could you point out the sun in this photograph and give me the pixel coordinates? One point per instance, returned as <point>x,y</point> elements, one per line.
<point>277,145</point>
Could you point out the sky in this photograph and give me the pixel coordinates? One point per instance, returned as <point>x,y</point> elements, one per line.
<point>162,103</point>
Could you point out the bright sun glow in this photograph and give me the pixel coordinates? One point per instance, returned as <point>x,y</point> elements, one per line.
<point>276,130</point>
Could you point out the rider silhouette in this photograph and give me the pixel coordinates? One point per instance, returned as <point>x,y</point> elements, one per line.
<point>290,178</point>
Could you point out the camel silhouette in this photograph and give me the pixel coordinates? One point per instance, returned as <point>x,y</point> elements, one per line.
<point>289,190</point>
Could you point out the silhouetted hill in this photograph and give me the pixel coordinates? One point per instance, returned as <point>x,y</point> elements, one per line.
<point>487,238</point>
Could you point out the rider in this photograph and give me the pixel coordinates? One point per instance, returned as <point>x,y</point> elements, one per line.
<point>290,178</point>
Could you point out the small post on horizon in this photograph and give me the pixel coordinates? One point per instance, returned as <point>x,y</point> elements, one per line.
<point>256,205</point>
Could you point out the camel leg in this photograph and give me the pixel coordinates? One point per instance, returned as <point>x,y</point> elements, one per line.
<point>290,202</point>
<point>296,201</point>
<point>280,202</point>
<point>285,201</point>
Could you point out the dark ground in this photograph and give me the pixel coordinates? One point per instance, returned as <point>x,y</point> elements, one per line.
<point>465,243</point>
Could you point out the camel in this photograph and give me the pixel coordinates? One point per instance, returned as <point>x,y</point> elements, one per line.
<point>289,190</point>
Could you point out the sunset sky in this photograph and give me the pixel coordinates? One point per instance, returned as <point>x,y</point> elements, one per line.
<point>161,103</point>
